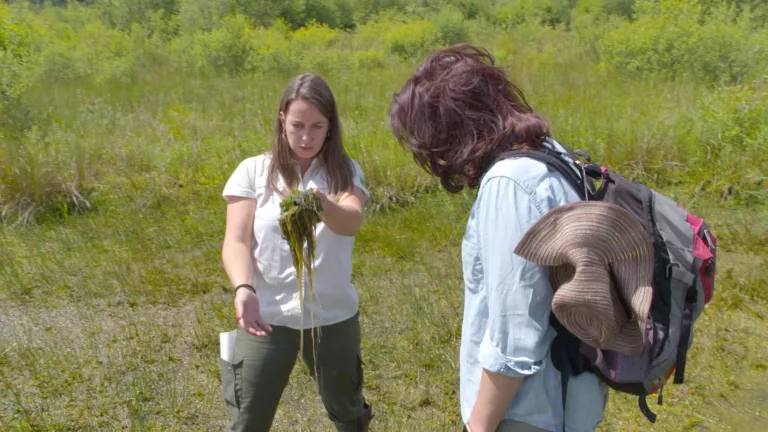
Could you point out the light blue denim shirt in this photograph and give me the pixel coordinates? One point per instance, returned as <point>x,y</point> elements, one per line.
<point>507,302</point>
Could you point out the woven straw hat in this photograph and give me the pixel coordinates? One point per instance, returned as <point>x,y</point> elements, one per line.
<point>601,267</point>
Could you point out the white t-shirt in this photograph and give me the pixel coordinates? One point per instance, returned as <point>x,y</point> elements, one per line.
<point>334,297</point>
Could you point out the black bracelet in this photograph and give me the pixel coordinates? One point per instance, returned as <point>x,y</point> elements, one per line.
<point>245,285</point>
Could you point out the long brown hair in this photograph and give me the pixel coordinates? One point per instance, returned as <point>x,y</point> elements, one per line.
<point>338,166</point>
<point>458,113</point>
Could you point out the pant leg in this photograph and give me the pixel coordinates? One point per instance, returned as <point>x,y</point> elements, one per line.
<point>513,426</point>
<point>260,372</point>
<point>517,426</point>
<point>337,368</point>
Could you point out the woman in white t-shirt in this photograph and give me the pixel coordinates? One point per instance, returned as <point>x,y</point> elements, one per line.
<point>307,153</point>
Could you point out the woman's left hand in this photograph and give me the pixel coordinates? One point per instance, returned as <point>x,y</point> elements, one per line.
<point>342,213</point>
<point>323,198</point>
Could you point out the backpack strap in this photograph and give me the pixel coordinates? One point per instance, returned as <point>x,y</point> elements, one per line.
<point>554,159</point>
<point>565,357</point>
<point>682,347</point>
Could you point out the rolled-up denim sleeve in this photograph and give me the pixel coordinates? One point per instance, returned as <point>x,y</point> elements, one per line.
<point>518,291</point>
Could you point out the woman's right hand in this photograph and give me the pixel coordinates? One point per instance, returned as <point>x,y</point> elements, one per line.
<point>248,315</point>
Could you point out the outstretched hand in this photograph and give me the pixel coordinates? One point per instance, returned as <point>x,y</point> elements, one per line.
<point>323,198</point>
<point>248,315</point>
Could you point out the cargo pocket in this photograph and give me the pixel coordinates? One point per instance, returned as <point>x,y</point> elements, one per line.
<point>230,385</point>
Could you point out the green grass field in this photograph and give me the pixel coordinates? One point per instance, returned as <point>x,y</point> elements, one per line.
<point>116,143</point>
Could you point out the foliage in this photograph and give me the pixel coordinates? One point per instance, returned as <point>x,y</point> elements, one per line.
<point>299,214</point>
<point>677,38</point>
<point>112,49</point>
<point>121,120</point>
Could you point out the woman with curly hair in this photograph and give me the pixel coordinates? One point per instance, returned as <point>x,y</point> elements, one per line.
<point>459,114</point>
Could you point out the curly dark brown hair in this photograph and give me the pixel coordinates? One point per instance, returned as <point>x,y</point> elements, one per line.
<point>458,113</point>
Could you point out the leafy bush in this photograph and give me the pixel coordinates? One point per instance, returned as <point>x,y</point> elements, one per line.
<point>731,135</point>
<point>370,59</point>
<point>675,37</point>
<point>124,14</point>
<point>19,47</point>
<point>451,28</point>
<point>577,62</point>
<point>316,47</point>
<point>108,54</point>
<point>552,13</point>
<point>412,39</point>
<point>621,8</point>
<point>754,8</point>
<point>226,48</point>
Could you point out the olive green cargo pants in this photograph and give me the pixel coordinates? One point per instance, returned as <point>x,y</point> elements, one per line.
<point>254,382</point>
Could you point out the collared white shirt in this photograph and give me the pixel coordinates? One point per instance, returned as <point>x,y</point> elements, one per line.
<point>334,297</point>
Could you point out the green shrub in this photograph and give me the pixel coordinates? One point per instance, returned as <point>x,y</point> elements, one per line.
<point>451,28</point>
<point>108,54</point>
<point>171,97</point>
<point>316,47</point>
<point>674,38</point>
<point>19,49</point>
<point>370,59</point>
<point>226,48</point>
<point>620,8</point>
<point>471,9</point>
<point>124,14</point>
<point>756,9</point>
<point>731,134</point>
<point>552,13</point>
<point>412,39</point>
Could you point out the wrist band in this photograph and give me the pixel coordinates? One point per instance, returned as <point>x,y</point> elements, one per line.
<point>245,285</point>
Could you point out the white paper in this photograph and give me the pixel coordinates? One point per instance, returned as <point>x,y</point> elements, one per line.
<point>227,345</point>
